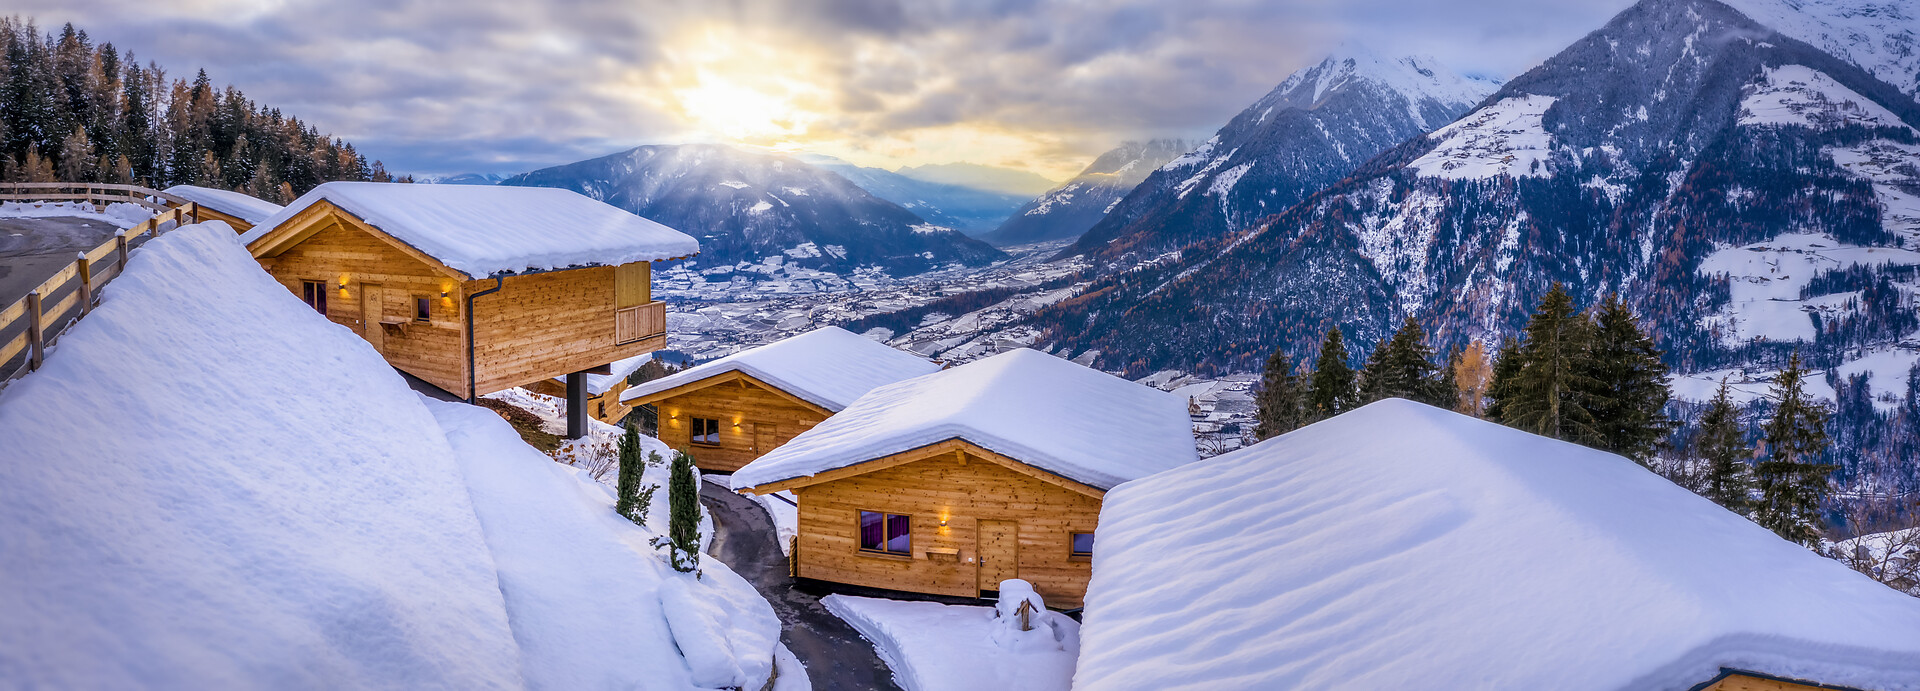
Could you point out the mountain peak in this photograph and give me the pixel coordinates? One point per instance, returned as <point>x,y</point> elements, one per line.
<point>1418,77</point>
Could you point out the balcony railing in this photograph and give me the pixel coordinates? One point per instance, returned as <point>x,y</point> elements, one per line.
<point>639,322</point>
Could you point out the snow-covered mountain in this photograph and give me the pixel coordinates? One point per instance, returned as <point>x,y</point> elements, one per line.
<point>754,207</point>
<point>1880,36</point>
<point>969,210</point>
<point>1070,209</point>
<point>467,179</point>
<point>1749,194</point>
<point>1020,183</point>
<point>1312,130</point>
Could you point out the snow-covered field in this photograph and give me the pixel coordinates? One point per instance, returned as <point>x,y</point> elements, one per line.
<point>1504,138</point>
<point>272,507</point>
<point>935,647</point>
<point>120,215</point>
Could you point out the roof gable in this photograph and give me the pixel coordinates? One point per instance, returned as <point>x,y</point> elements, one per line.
<point>245,207</point>
<point>1072,421</point>
<point>827,368</point>
<point>1403,546</point>
<point>484,231</point>
<point>324,214</point>
<point>932,452</point>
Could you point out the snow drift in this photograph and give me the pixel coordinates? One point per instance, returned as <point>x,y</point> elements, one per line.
<point>1403,546</point>
<point>211,486</point>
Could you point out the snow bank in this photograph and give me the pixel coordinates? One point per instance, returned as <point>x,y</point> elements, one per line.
<point>1402,546</point>
<point>1504,138</point>
<point>591,604</point>
<point>484,230</point>
<point>935,647</point>
<point>238,205</point>
<point>221,489</point>
<point>1080,423</point>
<point>120,215</point>
<point>828,366</point>
<point>217,488</point>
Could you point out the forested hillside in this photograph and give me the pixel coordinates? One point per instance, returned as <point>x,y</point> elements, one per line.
<point>75,111</point>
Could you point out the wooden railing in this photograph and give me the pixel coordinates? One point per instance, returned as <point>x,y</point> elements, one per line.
<point>85,275</point>
<point>640,321</point>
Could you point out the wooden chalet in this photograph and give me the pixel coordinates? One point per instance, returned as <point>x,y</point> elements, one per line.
<point>476,289</point>
<point>239,210</point>
<point>952,482</point>
<point>603,390</point>
<point>734,409</point>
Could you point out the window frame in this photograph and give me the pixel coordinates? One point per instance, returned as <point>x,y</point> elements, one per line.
<point>1073,551</point>
<point>314,293</point>
<point>422,309</point>
<point>694,423</point>
<point>886,534</point>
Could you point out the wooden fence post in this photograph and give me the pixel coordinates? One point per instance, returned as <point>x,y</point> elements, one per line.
<point>120,245</point>
<point>86,285</point>
<point>36,332</point>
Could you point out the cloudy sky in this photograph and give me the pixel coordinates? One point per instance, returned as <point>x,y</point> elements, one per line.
<point>505,86</point>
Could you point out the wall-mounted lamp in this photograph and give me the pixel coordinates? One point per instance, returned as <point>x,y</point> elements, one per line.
<point>943,523</point>
<point>443,293</point>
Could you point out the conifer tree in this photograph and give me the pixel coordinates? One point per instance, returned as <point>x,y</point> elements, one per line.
<point>1500,381</point>
<point>1728,478</point>
<point>1792,480</point>
<point>1550,393</point>
<point>1331,390</point>
<point>1447,391</point>
<point>1628,393</point>
<point>632,472</point>
<point>683,506</point>
<point>1279,397</point>
<point>1402,367</point>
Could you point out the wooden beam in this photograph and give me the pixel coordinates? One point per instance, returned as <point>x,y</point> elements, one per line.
<point>726,377</point>
<point>956,445</point>
<point>36,332</point>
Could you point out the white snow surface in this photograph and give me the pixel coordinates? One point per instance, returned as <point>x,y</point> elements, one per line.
<point>1502,138</point>
<point>829,367</point>
<point>1766,278</point>
<point>236,204</point>
<point>1074,421</point>
<point>324,527</point>
<point>1801,96</point>
<point>1403,546</point>
<point>482,230</point>
<point>174,518</point>
<point>119,215</point>
<point>1880,36</point>
<point>935,647</point>
<point>1418,78</point>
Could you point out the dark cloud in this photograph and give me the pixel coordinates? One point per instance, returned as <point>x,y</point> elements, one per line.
<point>507,85</point>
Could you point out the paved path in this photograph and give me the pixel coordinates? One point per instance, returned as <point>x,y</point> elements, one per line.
<point>32,249</point>
<point>835,655</point>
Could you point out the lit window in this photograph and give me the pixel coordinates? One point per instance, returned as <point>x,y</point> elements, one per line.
<point>422,309</point>
<point>706,431</point>
<point>1082,544</point>
<point>888,533</point>
<point>315,295</point>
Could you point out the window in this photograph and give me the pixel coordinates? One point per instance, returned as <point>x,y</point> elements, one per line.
<point>706,431</point>
<point>1082,545</point>
<point>422,309</point>
<point>887,533</point>
<point>315,294</point>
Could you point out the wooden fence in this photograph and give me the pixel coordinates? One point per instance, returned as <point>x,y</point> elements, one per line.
<point>44,320</point>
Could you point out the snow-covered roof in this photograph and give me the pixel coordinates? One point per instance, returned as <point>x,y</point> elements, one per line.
<point>484,230</point>
<point>242,206</point>
<point>829,367</point>
<point>1079,423</point>
<point>618,371</point>
<point>1403,546</point>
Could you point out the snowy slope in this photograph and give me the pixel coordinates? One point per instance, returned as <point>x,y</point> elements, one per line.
<point>967,209</point>
<point>829,367</point>
<point>1456,553</point>
<point>1880,36</point>
<point>747,207</point>
<point>238,205</point>
<point>1505,138</point>
<point>1080,423</point>
<point>221,528</point>
<point>1070,209</point>
<point>481,231</point>
<point>1315,128</point>
<point>266,504</point>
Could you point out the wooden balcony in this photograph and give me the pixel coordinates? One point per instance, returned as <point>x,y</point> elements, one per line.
<point>639,322</point>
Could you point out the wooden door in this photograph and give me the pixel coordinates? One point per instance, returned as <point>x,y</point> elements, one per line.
<point>371,314</point>
<point>999,550</point>
<point>766,435</point>
<point>632,289</point>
